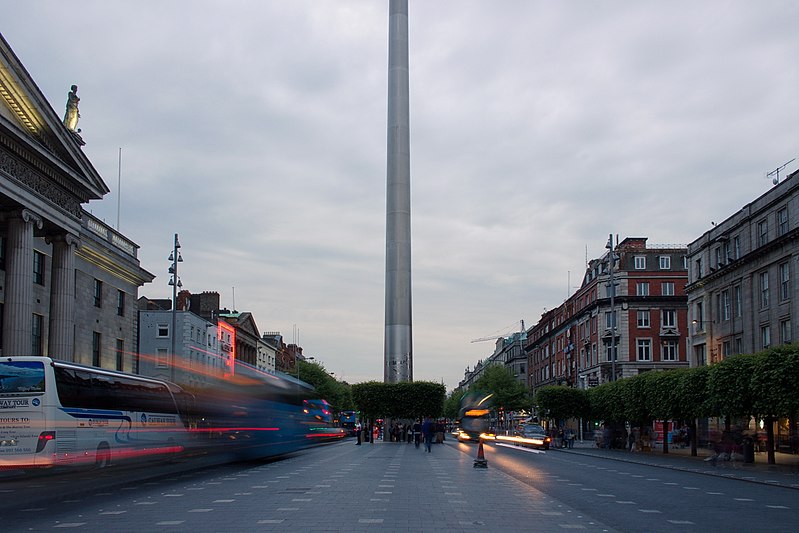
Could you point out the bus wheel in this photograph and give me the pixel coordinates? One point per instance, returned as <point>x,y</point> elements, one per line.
<point>103,456</point>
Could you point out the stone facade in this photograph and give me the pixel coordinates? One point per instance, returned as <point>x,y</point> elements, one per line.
<point>197,348</point>
<point>741,291</point>
<point>68,282</point>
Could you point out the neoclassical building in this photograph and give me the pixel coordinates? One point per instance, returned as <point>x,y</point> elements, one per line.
<point>68,281</point>
<point>741,288</point>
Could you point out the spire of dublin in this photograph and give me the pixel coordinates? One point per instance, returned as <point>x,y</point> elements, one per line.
<point>398,344</point>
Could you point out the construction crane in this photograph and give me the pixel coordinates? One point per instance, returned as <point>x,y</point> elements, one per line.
<point>502,336</point>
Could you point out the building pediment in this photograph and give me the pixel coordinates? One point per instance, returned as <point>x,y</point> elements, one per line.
<point>36,145</point>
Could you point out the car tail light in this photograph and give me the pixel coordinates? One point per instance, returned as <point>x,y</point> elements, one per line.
<point>44,438</point>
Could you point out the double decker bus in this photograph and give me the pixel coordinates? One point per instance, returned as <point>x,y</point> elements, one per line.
<point>55,413</point>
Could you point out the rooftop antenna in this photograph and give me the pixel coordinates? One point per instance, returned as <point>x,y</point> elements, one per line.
<point>776,172</point>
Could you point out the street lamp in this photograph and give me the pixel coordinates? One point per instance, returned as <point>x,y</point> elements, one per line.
<point>175,283</point>
<point>609,246</point>
<point>297,357</point>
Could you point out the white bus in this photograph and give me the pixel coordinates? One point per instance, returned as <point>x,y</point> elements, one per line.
<point>56,413</point>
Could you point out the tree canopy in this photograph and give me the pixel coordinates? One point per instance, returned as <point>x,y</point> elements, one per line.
<point>509,393</point>
<point>406,400</point>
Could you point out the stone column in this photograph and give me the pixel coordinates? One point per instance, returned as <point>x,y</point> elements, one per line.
<point>61,343</point>
<point>18,307</point>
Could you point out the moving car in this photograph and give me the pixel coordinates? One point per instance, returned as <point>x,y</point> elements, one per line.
<point>535,436</point>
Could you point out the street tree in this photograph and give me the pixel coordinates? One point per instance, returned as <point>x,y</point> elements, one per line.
<point>509,394</point>
<point>561,403</point>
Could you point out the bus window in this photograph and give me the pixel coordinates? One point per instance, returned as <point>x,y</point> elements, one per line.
<point>21,377</point>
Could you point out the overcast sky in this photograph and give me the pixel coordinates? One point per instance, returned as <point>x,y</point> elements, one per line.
<point>257,131</point>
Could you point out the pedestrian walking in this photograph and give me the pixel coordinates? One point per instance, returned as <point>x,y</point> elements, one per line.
<point>417,432</point>
<point>428,429</point>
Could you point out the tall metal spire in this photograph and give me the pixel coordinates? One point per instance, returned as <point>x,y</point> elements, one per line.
<point>398,344</point>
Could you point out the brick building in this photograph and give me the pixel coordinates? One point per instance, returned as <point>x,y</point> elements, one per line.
<point>573,343</point>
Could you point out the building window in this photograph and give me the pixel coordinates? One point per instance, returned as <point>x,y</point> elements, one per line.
<point>665,262</point>
<point>162,358</point>
<point>762,232</point>
<point>765,336</point>
<point>98,293</point>
<point>38,268</point>
<point>642,288</point>
<point>120,349</point>
<point>640,262</point>
<point>667,288</point>
<point>36,335</point>
<point>785,281</point>
<point>719,260</point>
<point>2,253</point>
<point>764,290</point>
<point>609,352</point>
<point>739,345</point>
<point>736,294</point>
<point>608,323</point>
<point>669,318</point>
<point>96,348</point>
<point>120,303</point>
<point>701,355</point>
<point>736,247</point>
<point>644,350</point>
<point>726,349</point>
<point>725,305</point>
<point>699,316</point>
<point>643,319</point>
<point>163,331</point>
<point>670,352</point>
<point>785,331</point>
<point>698,268</point>
<point>782,221</point>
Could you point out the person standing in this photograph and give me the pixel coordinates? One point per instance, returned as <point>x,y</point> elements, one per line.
<point>428,429</point>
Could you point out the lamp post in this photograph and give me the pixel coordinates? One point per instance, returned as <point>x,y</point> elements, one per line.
<point>175,283</point>
<point>297,357</point>
<point>612,256</point>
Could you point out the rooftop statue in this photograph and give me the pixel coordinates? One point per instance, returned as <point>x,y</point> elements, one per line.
<point>72,115</point>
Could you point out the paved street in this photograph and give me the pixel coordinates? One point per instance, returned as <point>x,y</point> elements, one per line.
<point>341,487</point>
<point>653,493</point>
<point>396,487</point>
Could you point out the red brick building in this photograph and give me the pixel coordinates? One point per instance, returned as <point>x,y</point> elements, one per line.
<point>573,343</point>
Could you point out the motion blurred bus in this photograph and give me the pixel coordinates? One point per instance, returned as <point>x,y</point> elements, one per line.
<point>349,420</point>
<point>474,417</point>
<point>55,413</point>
